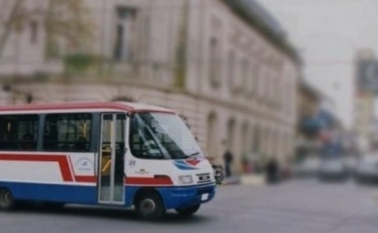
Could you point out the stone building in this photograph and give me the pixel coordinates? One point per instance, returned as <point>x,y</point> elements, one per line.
<point>365,87</point>
<point>224,65</point>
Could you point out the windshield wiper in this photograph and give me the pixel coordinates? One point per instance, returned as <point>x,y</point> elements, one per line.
<point>182,156</point>
<point>196,153</point>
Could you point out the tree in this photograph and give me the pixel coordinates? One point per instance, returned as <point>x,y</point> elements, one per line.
<point>68,23</point>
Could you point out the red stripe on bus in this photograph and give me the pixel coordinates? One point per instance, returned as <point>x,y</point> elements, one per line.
<point>67,106</point>
<point>71,168</point>
<point>86,179</point>
<point>149,180</point>
<point>60,159</point>
<point>130,180</point>
<point>78,106</point>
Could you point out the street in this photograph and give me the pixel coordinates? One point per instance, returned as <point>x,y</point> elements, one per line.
<point>293,206</point>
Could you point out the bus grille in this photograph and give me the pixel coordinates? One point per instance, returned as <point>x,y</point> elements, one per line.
<point>204,178</point>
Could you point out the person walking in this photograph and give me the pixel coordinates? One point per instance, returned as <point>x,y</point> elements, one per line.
<point>272,171</point>
<point>228,159</point>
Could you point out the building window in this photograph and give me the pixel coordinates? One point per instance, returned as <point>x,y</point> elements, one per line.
<point>67,132</point>
<point>267,85</point>
<point>261,83</point>
<point>215,51</point>
<point>278,90</point>
<point>34,32</point>
<point>292,99</point>
<point>256,140</point>
<point>251,79</point>
<point>239,75</point>
<point>214,62</point>
<point>256,78</point>
<point>231,69</point>
<point>287,99</point>
<point>272,88</point>
<point>19,132</point>
<point>245,66</point>
<point>124,35</point>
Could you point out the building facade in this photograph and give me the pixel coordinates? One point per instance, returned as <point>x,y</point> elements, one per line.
<point>365,93</point>
<point>318,125</point>
<point>309,126</point>
<point>218,63</point>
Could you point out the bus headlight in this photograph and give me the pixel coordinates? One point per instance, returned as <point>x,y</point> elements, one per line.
<point>186,179</point>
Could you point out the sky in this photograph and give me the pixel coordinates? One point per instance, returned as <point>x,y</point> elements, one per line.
<point>327,34</point>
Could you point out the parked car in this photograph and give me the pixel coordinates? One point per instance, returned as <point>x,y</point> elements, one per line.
<point>351,163</point>
<point>367,169</point>
<point>333,169</point>
<point>306,168</point>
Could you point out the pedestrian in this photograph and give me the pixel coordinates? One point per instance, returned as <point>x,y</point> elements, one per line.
<point>272,170</point>
<point>228,159</point>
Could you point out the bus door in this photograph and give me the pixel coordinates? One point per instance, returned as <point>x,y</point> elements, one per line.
<point>111,189</point>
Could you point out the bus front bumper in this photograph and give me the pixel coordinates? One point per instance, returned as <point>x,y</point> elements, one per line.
<point>181,197</point>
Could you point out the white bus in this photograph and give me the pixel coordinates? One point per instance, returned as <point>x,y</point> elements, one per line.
<point>109,154</point>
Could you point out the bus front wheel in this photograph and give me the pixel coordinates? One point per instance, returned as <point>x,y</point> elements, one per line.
<point>6,199</point>
<point>150,206</point>
<point>188,211</point>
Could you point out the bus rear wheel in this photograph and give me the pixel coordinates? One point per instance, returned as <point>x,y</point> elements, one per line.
<point>150,206</point>
<point>6,199</point>
<point>188,211</point>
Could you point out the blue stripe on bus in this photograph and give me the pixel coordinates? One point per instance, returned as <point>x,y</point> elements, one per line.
<point>53,192</point>
<point>173,197</point>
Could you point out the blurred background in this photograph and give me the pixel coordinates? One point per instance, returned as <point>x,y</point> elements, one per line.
<point>266,81</point>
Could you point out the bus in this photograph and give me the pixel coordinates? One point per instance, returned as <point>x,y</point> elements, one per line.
<point>108,154</point>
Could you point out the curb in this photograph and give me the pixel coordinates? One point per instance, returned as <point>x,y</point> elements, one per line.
<point>231,181</point>
<point>244,180</point>
<point>253,180</point>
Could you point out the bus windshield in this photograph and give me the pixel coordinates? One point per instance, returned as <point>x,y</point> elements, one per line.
<point>161,136</point>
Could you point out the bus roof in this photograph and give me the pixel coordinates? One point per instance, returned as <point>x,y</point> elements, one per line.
<point>122,106</point>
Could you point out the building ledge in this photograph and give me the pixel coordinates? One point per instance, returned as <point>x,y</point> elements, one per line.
<point>243,9</point>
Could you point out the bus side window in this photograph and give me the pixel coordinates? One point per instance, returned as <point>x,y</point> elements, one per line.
<point>19,132</point>
<point>5,134</point>
<point>68,132</point>
<point>81,144</point>
<point>142,143</point>
<point>50,136</point>
<point>135,139</point>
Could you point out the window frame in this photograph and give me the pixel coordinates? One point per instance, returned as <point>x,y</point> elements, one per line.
<point>130,143</point>
<point>91,134</point>
<point>17,141</point>
<point>118,55</point>
<point>34,32</point>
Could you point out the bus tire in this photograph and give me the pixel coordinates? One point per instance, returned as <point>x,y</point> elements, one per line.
<point>6,199</point>
<point>150,206</point>
<point>188,211</point>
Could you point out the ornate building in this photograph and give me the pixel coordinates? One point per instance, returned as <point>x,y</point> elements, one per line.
<point>222,64</point>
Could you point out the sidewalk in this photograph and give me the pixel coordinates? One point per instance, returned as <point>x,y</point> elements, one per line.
<point>251,179</point>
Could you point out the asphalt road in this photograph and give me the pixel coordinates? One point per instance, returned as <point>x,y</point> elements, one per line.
<point>295,206</point>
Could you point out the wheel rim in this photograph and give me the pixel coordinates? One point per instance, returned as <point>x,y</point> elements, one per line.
<point>5,198</point>
<point>147,206</point>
